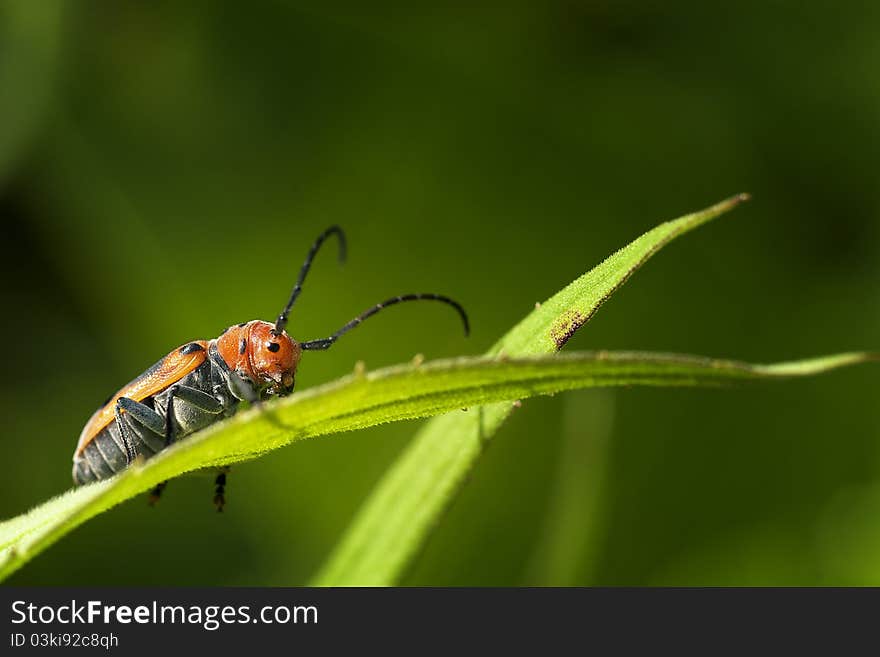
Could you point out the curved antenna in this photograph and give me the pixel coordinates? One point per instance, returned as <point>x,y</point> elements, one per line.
<point>281,322</point>
<point>326,343</point>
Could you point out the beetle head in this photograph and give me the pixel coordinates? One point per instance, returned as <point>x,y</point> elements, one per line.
<point>268,359</point>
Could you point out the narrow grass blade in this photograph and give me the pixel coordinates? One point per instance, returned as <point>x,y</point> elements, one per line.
<point>573,523</point>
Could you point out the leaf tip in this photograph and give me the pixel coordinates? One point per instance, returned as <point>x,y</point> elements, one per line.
<point>730,203</point>
<point>718,209</point>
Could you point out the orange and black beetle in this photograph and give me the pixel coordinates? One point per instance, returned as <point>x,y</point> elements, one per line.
<point>202,382</point>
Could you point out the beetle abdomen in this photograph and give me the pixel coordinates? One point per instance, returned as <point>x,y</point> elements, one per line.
<point>105,455</point>
<point>146,422</point>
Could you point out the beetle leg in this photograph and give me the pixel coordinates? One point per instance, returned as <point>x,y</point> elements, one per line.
<point>146,417</point>
<point>168,428</point>
<point>123,431</point>
<point>192,396</point>
<point>201,400</point>
<point>220,490</point>
<point>242,389</point>
<point>156,493</point>
<point>143,414</point>
<point>136,412</point>
<point>169,415</point>
<point>197,398</point>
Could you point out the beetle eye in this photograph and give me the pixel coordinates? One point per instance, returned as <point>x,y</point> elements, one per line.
<point>273,347</point>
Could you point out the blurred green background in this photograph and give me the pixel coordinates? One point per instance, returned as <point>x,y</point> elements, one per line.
<point>165,166</point>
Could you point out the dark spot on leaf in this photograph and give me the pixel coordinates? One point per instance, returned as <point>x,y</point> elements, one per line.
<point>565,327</point>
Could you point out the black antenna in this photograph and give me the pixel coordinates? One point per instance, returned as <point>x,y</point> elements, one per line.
<point>281,322</point>
<point>326,343</point>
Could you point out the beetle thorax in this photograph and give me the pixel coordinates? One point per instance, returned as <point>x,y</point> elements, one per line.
<point>266,358</point>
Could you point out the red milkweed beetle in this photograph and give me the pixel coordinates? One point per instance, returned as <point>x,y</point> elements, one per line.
<point>203,382</point>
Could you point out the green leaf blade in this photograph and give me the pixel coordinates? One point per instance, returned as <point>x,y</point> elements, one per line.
<point>456,443</point>
<point>549,327</point>
<point>391,394</point>
<point>368,560</point>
